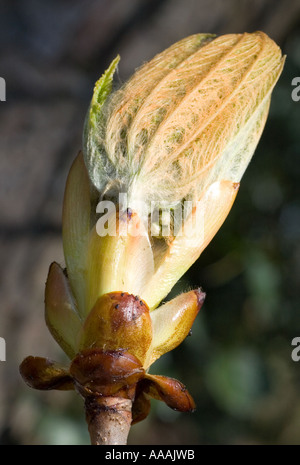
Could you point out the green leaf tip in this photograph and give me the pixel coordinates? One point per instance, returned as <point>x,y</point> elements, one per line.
<point>95,158</point>
<point>102,89</point>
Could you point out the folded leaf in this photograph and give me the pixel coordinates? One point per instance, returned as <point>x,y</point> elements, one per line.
<point>99,165</point>
<point>108,161</point>
<point>122,260</point>
<point>197,231</point>
<point>76,228</point>
<point>172,322</point>
<point>191,116</point>
<point>61,314</point>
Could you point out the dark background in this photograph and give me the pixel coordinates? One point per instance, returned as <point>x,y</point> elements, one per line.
<point>237,364</point>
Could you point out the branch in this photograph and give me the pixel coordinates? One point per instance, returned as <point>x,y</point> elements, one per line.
<point>108,419</point>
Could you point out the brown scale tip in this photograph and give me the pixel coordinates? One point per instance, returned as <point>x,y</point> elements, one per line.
<point>200,296</point>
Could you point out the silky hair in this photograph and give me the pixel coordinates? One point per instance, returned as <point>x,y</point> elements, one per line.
<point>191,116</point>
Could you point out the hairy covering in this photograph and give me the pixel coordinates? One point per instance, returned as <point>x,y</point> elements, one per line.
<point>191,116</point>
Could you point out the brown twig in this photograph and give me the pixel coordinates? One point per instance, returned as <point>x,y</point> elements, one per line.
<point>108,419</point>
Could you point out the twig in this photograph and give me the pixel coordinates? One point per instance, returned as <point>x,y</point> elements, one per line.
<point>108,419</point>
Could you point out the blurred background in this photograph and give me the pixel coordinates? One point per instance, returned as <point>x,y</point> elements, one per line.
<point>237,364</point>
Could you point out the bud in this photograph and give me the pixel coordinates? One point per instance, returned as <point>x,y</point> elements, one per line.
<point>181,131</point>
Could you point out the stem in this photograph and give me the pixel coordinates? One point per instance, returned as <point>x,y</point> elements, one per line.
<point>108,419</point>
